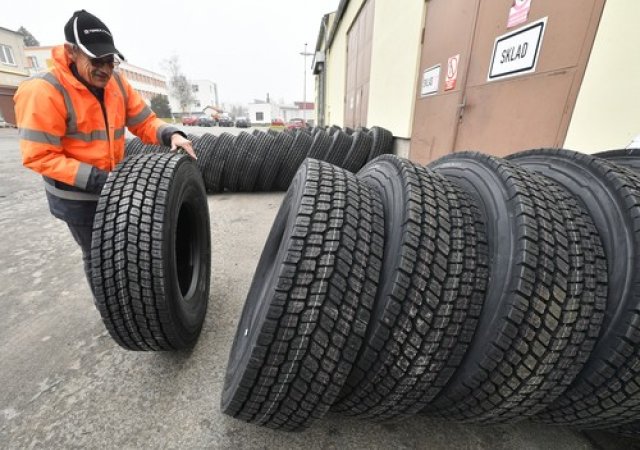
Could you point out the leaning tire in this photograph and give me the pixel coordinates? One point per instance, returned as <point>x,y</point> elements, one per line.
<point>607,391</point>
<point>430,293</point>
<point>291,160</point>
<point>151,253</point>
<point>382,142</point>
<point>531,338</point>
<point>268,176</point>
<point>133,147</point>
<point>628,157</point>
<point>320,145</point>
<point>309,303</point>
<point>340,145</point>
<point>357,155</point>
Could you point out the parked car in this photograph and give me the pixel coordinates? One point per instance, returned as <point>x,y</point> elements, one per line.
<point>243,122</point>
<point>205,122</point>
<point>296,123</point>
<point>189,120</point>
<point>277,124</point>
<point>225,121</point>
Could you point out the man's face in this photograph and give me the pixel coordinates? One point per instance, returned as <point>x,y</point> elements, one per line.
<point>95,71</point>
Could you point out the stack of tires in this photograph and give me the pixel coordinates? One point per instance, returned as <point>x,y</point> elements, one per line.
<point>268,161</point>
<point>476,289</point>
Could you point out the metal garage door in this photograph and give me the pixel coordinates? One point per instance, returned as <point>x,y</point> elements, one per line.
<point>515,87</point>
<point>6,103</point>
<point>359,43</point>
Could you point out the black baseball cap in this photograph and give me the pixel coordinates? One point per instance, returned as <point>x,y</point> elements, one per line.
<point>91,35</point>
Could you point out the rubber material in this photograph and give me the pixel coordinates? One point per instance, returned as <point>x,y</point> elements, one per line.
<point>517,363</point>
<point>151,253</point>
<point>430,293</point>
<point>607,391</point>
<point>310,300</point>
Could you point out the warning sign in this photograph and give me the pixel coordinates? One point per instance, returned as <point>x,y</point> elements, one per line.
<point>452,73</point>
<point>519,12</point>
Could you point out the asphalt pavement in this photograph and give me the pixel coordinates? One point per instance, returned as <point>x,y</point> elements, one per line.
<point>65,383</point>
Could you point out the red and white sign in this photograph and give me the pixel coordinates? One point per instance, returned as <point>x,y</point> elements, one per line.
<point>519,12</point>
<point>452,73</point>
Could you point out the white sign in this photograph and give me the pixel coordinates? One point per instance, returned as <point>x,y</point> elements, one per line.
<point>516,53</point>
<point>430,81</point>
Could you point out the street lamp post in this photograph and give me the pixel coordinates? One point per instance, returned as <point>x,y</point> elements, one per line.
<point>304,89</point>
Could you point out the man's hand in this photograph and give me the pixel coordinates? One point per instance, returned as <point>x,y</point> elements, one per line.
<point>177,140</point>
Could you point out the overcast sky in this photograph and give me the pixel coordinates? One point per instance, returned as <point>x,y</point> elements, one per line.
<point>248,47</point>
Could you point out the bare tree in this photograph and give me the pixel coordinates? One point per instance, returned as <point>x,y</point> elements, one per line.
<point>179,85</point>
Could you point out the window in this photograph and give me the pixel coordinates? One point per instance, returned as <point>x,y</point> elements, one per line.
<point>194,87</point>
<point>259,116</point>
<point>33,62</point>
<point>6,55</point>
<point>197,104</point>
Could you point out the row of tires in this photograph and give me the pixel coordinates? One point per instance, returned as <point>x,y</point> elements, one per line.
<point>268,161</point>
<point>477,289</point>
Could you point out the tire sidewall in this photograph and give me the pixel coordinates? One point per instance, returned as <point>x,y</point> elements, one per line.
<point>187,191</point>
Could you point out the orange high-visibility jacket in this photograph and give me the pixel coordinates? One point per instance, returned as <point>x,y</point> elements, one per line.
<point>62,127</point>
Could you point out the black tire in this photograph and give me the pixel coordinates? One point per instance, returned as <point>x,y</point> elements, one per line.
<point>339,148</point>
<point>306,312</point>
<point>243,147</point>
<point>154,148</point>
<point>607,391</point>
<point>628,157</point>
<point>253,162</point>
<point>293,158</point>
<point>133,147</point>
<point>218,162</point>
<point>151,253</point>
<point>320,145</point>
<point>267,179</point>
<point>532,337</point>
<point>201,146</point>
<point>358,153</point>
<point>382,142</point>
<point>334,129</point>
<point>430,293</point>
<point>348,130</point>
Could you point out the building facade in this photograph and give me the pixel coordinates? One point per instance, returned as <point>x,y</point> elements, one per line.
<point>147,83</point>
<point>263,112</point>
<point>13,70</point>
<point>205,94</point>
<point>498,76</point>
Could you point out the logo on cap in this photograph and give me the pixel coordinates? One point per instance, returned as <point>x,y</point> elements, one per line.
<point>96,30</point>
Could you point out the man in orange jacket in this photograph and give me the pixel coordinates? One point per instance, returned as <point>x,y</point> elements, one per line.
<point>72,122</point>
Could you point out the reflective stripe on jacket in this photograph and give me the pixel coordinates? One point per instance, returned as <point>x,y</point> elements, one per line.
<point>62,127</point>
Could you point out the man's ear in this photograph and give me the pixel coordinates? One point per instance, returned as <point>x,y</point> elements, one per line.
<point>68,49</point>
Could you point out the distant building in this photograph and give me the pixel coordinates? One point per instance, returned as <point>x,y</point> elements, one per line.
<point>38,58</point>
<point>263,112</point>
<point>13,71</point>
<point>147,83</point>
<point>205,93</point>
